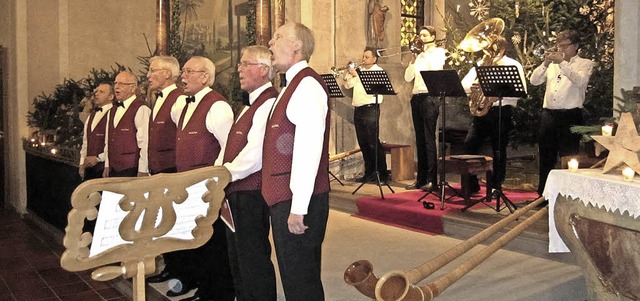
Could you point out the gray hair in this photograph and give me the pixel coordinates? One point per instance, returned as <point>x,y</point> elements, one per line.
<point>167,63</point>
<point>305,35</point>
<point>209,68</point>
<point>262,55</point>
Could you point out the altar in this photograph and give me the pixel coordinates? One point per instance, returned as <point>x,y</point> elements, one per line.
<point>595,216</point>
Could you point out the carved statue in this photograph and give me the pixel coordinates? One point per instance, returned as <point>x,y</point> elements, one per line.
<point>377,14</point>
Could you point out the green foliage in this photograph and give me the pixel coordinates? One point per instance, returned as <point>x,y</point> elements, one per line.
<point>58,113</point>
<point>531,27</point>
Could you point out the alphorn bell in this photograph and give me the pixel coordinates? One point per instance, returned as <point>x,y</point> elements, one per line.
<point>400,285</point>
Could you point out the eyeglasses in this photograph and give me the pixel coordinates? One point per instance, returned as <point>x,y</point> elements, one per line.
<point>563,46</point>
<point>151,70</point>
<point>123,84</point>
<point>245,64</point>
<point>189,71</point>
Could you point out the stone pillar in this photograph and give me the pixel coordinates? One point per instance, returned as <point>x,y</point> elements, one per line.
<point>626,73</point>
<point>163,12</point>
<point>263,22</point>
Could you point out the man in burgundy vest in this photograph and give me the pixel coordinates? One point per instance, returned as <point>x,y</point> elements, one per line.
<point>295,175</point>
<point>127,131</point>
<point>249,247</point>
<point>162,75</point>
<point>203,121</point>
<point>92,155</point>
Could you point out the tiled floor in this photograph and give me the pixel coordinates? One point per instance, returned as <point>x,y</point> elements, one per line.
<point>30,267</point>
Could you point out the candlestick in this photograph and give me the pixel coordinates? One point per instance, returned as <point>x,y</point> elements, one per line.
<point>628,174</point>
<point>573,165</point>
<point>607,130</point>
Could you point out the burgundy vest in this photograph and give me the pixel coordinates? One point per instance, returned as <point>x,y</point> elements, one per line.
<point>162,133</point>
<point>124,152</point>
<point>238,140</point>
<point>95,137</point>
<point>195,146</point>
<point>277,154</point>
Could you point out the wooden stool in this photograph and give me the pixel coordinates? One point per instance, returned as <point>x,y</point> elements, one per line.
<point>465,166</point>
<point>402,161</point>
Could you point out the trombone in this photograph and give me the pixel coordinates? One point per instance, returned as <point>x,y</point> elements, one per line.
<point>416,47</point>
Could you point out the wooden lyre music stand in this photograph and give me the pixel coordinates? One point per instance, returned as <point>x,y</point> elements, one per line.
<point>147,226</point>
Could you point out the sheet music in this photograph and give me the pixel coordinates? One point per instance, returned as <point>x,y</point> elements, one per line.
<point>106,234</point>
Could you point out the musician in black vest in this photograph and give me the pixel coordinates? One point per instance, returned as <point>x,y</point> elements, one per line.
<point>295,174</point>
<point>127,131</point>
<point>249,247</point>
<point>203,122</point>
<point>162,75</point>
<point>92,154</point>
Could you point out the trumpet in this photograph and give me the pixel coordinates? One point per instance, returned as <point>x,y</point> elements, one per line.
<point>416,47</point>
<point>339,71</point>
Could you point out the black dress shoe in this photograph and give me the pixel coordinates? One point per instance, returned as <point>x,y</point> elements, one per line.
<point>362,179</point>
<point>413,186</point>
<point>429,187</point>
<point>162,277</point>
<point>179,291</point>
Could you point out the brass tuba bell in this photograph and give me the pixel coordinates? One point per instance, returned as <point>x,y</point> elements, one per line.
<point>481,37</point>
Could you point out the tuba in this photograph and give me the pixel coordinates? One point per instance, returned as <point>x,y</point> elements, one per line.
<point>481,37</point>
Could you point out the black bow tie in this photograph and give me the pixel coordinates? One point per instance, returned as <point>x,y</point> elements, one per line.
<point>190,99</point>
<point>245,99</point>
<point>158,94</point>
<point>283,80</point>
<point>118,104</point>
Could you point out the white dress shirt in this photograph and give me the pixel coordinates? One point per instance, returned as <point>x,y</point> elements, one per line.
<point>472,77</point>
<point>360,96</point>
<point>98,117</point>
<point>141,120</point>
<point>160,100</point>
<point>249,160</point>
<point>308,111</point>
<point>219,118</point>
<point>566,82</point>
<point>431,59</point>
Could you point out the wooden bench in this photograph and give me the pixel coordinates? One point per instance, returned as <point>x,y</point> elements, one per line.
<point>466,166</point>
<point>402,161</point>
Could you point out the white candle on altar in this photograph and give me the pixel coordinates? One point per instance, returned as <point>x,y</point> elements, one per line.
<point>607,130</point>
<point>573,165</point>
<point>628,174</point>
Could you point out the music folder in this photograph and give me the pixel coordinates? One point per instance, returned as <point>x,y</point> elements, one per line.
<point>226,216</point>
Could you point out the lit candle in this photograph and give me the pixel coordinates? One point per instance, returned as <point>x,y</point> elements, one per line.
<point>607,130</point>
<point>573,165</point>
<point>54,151</point>
<point>628,174</point>
<point>458,8</point>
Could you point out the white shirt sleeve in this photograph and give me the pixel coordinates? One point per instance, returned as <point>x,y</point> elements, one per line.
<point>308,111</point>
<point>219,121</point>
<point>249,160</point>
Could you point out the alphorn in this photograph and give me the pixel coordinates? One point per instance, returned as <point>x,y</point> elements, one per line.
<point>400,285</point>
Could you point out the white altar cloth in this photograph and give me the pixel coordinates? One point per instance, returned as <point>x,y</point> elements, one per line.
<point>591,186</point>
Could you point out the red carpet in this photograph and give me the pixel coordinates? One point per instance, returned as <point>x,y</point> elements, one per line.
<point>402,209</point>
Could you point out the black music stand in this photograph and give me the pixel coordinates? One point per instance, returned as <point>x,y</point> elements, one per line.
<point>499,81</point>
<point>442,83</point>
<point>377,83</point>
<point>334,92</point>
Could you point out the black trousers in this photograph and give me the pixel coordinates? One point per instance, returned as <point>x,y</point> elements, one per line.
<point>94,172</point>
<point>424,111</point>
<point>208,266</point>
<point>490,126</point>
<point>365,120</point>
<point>300,256</point>
<point>254,277</point>
<point>131,172</point>
<point>555,139</point>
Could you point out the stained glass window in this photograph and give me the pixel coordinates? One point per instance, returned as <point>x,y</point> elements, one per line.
<point>412,17</point>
